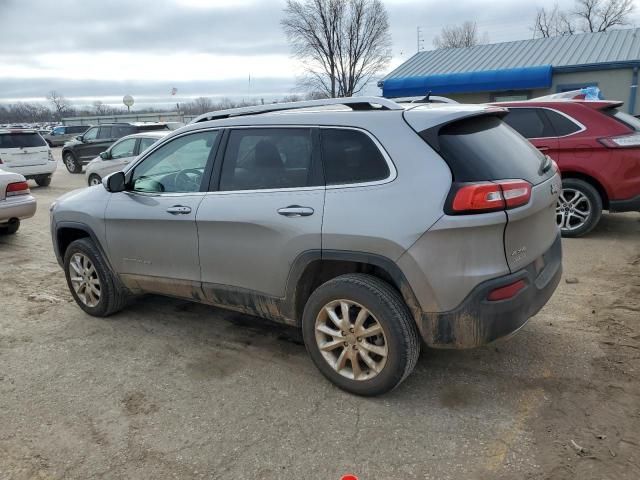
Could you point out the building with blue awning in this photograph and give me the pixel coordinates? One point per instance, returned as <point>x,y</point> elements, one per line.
<point>525,69</point>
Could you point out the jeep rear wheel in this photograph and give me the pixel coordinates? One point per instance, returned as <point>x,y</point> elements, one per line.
<point>360,334</point>
<point>71,163</point>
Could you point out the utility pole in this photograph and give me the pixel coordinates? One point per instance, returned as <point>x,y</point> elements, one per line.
<point>420,39</point>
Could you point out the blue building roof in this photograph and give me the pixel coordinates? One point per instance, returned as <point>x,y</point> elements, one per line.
<point>511,65</point>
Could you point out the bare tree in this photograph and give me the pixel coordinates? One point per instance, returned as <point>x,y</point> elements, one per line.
<point>100,108</point>
<point>60,104</point>
<point>601,15</point>
<point>342,43</point>
<point>458,36</point>
<point>201,105</point>
<point>586,16</point>
<point>553,23</point>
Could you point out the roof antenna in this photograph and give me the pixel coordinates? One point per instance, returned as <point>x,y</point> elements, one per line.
<point>426,99</point>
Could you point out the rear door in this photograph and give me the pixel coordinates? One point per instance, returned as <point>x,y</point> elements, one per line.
<point>23,149</point>
<point>486,149</point>
<point>264,211</point>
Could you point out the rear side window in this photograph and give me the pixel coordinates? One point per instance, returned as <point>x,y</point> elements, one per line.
<point>528,122</point>
<point>145,143</point>
<point>562,125</point>
<point>624,118</point>
<point>485,148</point>
<point>350,156</point>
<point>105,132</point>
<point>77,129</point>
<point>264,158</point>
<point>21,140</point>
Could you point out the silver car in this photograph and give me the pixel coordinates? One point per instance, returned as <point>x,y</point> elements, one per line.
<point>16,201</point>
<point>120,154</point>
<point>61,134</point>
<point>372,226</point>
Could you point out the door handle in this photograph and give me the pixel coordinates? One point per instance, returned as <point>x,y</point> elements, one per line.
<point>296,211</point>
<point>179,210</point>
<point>543,149</point>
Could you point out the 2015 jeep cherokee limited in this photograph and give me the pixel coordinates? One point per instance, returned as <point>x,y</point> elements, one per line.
<point>367,224</point>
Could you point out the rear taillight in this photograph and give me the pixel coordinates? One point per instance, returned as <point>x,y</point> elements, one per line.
<point>486,197</point>
<point>17,188</point>
<point>51,159</point>
<point>506,292</point>
<point>622,141</point>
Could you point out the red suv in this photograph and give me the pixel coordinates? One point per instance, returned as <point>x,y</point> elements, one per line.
<point>597,148</point>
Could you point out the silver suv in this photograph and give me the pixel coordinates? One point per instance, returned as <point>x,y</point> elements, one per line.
<point>367,224</point>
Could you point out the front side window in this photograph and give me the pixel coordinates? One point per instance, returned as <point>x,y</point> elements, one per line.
<point>58,131</point>
<point>350,156</point>
<point>528,123</point>
<point>123,149</point>
<point>266,158</point>
<point>177,166</point>
<point>91,134</point>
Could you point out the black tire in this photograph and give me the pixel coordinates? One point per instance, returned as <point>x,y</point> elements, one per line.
<point>391,312</point>
<point>43,180</point>
<point>11,227</point>
<point>92,177</point>
<point>113,296</point>
<point>71,162</point>
<point>595,204</point>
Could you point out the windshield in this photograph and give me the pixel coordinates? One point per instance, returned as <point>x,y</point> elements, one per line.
<point>21,140</point>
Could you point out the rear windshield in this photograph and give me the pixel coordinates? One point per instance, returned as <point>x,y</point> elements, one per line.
<point>624,118</point>
<point>21,140</point>
<point>485,148</point>
<point>147,128</point>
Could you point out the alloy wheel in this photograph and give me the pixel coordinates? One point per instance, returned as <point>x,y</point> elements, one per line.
<point>351,340</point>
<point>84,279</point>
<point>573,209</point>
<point>94,180</point>
<point>69,162</point>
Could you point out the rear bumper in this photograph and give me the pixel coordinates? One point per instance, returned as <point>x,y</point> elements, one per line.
<point>478,321</point>
<point>21,207</point>
<point>33,171</point>
<point>628,205</point>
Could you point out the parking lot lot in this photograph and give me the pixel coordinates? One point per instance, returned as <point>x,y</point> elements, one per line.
<point>168,388</point>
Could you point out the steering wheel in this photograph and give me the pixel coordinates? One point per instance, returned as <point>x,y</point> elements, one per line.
<point>188,180</point>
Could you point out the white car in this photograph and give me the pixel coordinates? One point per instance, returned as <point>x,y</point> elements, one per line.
<point>16,202</point>
<point>27,153</point>
<point>118,155</point>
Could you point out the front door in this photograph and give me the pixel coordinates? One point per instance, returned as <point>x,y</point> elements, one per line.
<point>267,211</point>
<point>151,228</point>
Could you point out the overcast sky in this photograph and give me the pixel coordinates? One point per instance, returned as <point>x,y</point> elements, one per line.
<point>108,48</point>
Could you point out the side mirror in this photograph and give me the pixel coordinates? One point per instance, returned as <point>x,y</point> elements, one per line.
<point>105,155</point>
<point>79,138</point>
<point>115,182</point>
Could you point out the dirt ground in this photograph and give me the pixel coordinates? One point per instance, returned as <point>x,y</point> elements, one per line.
<point>171,389</point>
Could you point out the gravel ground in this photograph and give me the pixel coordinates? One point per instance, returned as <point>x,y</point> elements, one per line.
<point>171,389</point>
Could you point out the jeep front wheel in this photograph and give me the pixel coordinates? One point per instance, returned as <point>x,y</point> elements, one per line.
<point>360,334</point>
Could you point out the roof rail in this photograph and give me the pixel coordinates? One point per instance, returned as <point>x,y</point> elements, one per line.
<point>355,103</point>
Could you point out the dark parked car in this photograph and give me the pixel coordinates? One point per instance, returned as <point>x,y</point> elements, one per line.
<point>86,147</point>
<point>62,134</point>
